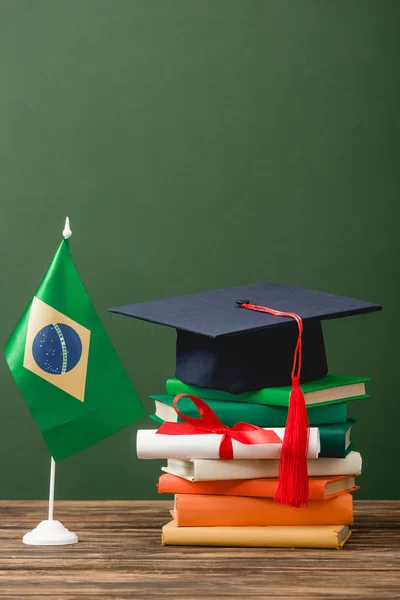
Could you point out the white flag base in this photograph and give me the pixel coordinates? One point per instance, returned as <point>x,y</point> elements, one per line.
<point>50,533</point>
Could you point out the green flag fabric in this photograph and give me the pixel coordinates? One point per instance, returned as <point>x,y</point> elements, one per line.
<point>65,366</point>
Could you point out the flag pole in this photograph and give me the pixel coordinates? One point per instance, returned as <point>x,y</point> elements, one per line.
<point>51,492</point>
<point>66,235</point>
<point>52,532</point>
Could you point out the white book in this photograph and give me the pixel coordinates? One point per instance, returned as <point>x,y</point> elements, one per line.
<point>214,470</point>
<point>151,445</point>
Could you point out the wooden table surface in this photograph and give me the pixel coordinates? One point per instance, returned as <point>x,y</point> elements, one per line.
<point>120,556</point>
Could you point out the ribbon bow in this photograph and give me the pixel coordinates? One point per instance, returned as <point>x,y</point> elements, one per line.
<point>208,422</point>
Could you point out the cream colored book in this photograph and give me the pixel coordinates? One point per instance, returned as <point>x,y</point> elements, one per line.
<point>299,536</point>
<point>215,470</point>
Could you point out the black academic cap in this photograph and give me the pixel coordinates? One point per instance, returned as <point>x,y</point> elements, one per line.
<point>221,345</point>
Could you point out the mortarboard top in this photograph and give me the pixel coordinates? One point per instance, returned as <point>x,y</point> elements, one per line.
<point>215,313</point>
<point>223,346</point>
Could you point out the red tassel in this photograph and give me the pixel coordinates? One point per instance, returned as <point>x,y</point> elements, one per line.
<point>293,477</point>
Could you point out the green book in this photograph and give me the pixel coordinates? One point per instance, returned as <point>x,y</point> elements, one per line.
<point>335,438</point>
<point>257,414</point>
<point>329,389</point>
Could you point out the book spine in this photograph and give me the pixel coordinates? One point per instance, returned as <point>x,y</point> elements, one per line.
<point>256,488</point>
<point>268,416</point>
<point>334,437</point>
<point>333,442</point>
<point>257,469</point>
<point>238,511</point>
<point>329,414</point>
<point>257,537</point>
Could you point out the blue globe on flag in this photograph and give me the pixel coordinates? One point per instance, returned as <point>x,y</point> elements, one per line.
<point>57,348</point>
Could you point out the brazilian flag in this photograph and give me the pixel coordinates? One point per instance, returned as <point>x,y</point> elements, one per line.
<point>65,366</point>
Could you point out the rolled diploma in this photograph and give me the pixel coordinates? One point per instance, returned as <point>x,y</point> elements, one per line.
<point>150,444</point>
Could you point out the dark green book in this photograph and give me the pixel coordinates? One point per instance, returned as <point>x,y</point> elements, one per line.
<point>257,414</point>
<point>335,439</point>
<point>329,389</point>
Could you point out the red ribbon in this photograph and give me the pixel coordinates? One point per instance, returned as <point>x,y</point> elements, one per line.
<point>208,422</point>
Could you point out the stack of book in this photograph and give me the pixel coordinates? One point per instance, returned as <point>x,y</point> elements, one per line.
<point>239,468</point>
<point>231,502</point>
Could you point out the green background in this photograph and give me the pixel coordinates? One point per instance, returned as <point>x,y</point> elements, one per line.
<point>199,144</point>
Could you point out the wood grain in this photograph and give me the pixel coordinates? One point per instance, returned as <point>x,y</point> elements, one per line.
<point>120,556</point>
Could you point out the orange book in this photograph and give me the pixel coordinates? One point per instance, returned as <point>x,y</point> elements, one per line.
<point>196,510</point>
<point>320,488</point>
